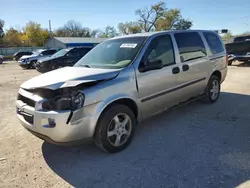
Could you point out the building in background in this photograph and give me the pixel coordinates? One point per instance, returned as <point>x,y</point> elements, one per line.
<point>67,42</point>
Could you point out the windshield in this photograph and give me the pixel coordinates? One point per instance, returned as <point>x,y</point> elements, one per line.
<point>114,53</point>
<point>36,53</point>
<point>60,53</point>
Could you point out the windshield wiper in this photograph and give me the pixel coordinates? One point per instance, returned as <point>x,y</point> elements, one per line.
<point>85,66</point>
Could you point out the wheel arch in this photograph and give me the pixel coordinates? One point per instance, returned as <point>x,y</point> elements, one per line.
<point>217,73</point>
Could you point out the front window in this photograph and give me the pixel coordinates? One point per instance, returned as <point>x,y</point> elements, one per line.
<point>114,53</point>
<point>36,53</point>
<point>60,53</point>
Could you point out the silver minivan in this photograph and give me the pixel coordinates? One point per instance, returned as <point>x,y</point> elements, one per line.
<point>121,82</point>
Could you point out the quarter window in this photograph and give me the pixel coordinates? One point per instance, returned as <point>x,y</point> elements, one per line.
<point>161,48</point>
<point>190,46</point>
<point>214,42</point>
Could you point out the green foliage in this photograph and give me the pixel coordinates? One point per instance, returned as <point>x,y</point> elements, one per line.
<point>12,38</point>
<point>156,18</point>
<point>108,32</point>
<point>73,29</point>
<point>1,28</point>
<point>227,36</point>
<point>172,20</point>
<point>129,28</point>
<point>148,17</point>
<point>36,35</point>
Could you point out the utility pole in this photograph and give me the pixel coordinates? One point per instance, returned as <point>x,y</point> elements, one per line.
<point>50,32</point>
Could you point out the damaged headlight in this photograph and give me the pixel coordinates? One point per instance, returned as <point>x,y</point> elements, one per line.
<point>71,102</point>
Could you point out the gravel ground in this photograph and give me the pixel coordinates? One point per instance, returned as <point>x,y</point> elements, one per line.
<point>192,146</point>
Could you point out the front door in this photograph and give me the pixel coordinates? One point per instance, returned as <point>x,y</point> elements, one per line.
<point>156,87</point>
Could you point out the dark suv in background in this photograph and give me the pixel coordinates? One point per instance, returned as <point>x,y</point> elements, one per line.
<point>63,58</point>
<point>18,55</point>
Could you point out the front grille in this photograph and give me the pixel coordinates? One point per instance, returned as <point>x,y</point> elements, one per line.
<point>26,100</point>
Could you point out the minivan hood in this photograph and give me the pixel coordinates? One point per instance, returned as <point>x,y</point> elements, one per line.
<point>69,77</point>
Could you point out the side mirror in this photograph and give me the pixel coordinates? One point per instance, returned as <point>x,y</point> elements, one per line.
<point>151,65</point>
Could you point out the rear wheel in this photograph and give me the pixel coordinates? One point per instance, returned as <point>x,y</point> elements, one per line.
<point>230,63</point>
<point>212,91</point>
<point>115,128</point>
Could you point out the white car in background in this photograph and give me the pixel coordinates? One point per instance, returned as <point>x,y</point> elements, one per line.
<point>1,59</point>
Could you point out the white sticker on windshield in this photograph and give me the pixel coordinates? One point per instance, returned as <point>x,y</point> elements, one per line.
<point>127,45</point>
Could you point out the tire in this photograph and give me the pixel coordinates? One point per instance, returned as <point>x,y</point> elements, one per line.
<point>230,63</point>
<point>32,64</point>
<point>209,97</point>
<point>108,123</point>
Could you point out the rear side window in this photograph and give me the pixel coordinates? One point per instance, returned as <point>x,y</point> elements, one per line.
<point>83,51</point>
<point>214,42</point>
<point>73,52</point>
<point>190,46</point>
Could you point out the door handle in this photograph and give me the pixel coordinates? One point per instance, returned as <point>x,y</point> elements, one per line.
<point>175,70</point>
<point>185,68</point>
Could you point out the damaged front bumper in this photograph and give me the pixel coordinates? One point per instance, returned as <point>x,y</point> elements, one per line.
<point>60,127</point>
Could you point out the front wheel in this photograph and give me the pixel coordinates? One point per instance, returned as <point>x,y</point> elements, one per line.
<point>115,128</point>
<point>33,64</point>
<point>212,91</point>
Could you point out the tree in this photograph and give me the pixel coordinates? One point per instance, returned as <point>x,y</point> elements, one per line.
<point>172,20</point>
<point>36,35</point>
<point>129,28</point>
<point>227,37</point>
<point>148,17</point>
<point>12,38</point>
<point>73,29</point>
<point>108,32</point>
<point>1,28</point>
<point>1,31</point>
<point>159,18</point>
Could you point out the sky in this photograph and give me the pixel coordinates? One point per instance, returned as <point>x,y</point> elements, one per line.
<point>97,14</point>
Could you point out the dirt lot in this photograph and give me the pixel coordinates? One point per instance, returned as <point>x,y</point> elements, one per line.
<point>197,145</point>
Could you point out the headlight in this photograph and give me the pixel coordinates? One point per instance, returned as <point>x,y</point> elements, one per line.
<point>77,101</point>
<point>72,102</point>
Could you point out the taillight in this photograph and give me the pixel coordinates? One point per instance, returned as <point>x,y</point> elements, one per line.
<point>227,59</point>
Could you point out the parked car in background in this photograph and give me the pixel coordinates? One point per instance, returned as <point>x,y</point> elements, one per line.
<point>63,58</point>
<point>29,61</point>
<point>121,82</point>
<point>18,55</point>
<point>1,59</point>
<point>239,49</point>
